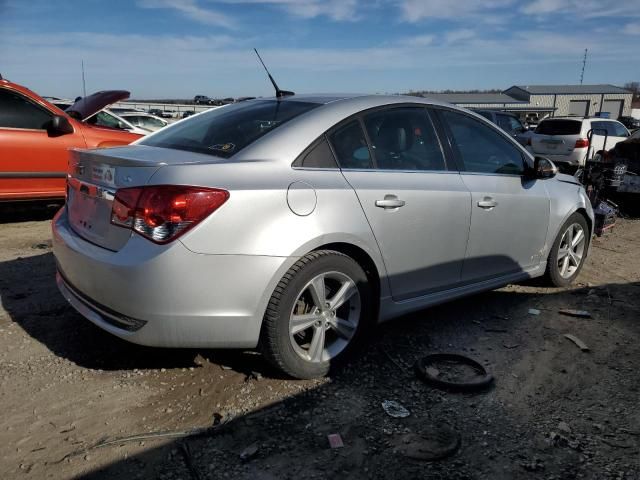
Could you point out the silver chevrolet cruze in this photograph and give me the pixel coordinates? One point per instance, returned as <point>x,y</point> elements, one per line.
<point>294,224</point>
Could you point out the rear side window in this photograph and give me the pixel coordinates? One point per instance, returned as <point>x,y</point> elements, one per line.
<point>225,131</point>
<point>559,127</point>
<point>481,148</point>
<point>18,112</point>
<point>350,146</point>
<point>404,139</point>
<point>320,156</point>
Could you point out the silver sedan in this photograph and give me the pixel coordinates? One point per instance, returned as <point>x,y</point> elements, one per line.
<point>296,224</point>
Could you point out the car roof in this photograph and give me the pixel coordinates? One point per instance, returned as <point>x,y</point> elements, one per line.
<point>294,136</point>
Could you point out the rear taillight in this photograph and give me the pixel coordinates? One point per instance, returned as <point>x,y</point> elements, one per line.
<point>162,213</point>
<point>582,143</point>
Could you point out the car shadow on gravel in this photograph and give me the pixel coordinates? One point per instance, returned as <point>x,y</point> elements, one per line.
<point>12,212</point>
<point>505,432</point>
<point>38,307</point>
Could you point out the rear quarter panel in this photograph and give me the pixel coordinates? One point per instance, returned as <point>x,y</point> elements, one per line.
<point>257,218</point>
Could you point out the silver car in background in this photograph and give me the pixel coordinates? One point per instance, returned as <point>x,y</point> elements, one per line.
<point>295,224</point>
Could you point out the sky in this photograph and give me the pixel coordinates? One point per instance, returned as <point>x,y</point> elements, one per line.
<point>181,48</point>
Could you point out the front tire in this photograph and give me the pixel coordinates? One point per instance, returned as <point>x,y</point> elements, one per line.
<point>317,314</point>
<point>568,252</point>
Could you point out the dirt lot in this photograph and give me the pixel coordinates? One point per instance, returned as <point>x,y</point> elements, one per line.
<point>555,411</point>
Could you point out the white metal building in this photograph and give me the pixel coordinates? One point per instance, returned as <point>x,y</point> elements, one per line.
<point>538,101</point>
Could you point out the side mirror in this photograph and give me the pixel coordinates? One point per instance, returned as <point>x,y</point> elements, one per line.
<point>544,168</point>
<point>59,125</point>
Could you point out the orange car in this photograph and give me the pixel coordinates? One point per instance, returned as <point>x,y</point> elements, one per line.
<point>35,138</point>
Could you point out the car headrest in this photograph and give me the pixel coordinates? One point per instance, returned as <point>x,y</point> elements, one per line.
<point>394,136</point>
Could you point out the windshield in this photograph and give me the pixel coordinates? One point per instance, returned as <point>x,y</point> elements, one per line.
<point>225,131</point>
<point>559,127</point>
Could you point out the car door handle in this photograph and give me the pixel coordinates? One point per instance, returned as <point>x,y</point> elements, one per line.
<point>487,203</point>
<point>389,202</point>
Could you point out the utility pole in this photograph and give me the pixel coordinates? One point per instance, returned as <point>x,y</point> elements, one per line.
<point>584,64</point>
<point>84,86</point>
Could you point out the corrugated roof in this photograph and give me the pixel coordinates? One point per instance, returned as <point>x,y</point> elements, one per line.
<point>477,98</point>
<point>571,89</point>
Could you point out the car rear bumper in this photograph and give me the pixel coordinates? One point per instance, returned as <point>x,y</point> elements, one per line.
<point>165,295</point>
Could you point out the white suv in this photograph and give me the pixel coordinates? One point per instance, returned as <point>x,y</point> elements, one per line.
<point>565,140</point>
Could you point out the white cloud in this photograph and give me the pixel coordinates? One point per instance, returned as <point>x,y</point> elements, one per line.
<point>417,41</point>
<point>631,29</point>
<point>456,36</point>
<point>190,9</point>
<point>339,10</point>
<point>416,10</point>
<point>583,8</point>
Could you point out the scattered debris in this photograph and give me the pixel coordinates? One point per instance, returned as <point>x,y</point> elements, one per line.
<point>614,444</point>
<point>394,409</point>
<point>575,313</point>
<point>335,440</point>
<point>533,466</point>
<point>534,311</point>
<point>564,427</point>
<point>249,452</point>
<point>432,444</point>
<point>581,345</point>
<point>393,360</point>
<point>453,373</point>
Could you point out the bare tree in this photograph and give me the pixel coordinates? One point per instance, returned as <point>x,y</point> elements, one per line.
<point>635,88</point>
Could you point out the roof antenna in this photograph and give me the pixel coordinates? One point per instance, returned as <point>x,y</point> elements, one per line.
<point>279,93</point>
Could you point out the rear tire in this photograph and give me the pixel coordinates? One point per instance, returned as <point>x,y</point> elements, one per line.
<point>317,314</point>
<point>569,252</point>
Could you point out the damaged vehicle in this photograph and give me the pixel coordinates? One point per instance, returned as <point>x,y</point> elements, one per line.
<point>294,224</point>
<point>35,139</point>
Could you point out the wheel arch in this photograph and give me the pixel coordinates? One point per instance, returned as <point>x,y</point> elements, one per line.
<point>363,259</point>
<point>583,211</point>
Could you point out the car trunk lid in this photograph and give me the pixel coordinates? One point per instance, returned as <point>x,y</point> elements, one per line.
<point>92,104</point>
<point>94,176</point>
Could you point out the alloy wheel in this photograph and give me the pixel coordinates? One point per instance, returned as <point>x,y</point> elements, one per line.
<point>571,250</point>
<point>324,317</point>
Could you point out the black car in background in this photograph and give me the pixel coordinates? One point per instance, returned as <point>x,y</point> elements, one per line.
<point>202,100</point>
<point>630,122</point>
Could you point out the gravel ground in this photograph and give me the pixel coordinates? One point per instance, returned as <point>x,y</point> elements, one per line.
<point>555,412</point>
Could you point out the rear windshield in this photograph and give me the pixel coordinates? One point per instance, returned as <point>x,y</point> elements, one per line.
<point>559,127</point>
<point>225,131</point>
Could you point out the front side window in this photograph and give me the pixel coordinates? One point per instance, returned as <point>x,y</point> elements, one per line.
<point>350,146</point>
<point>404,139</point>
<point>482,149</point>
<point>151,122</point>
<point>225,131</point>
<point>18,112</point>
<point>504,123</point>
<point>516,125</point>
<point>105,119</point>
